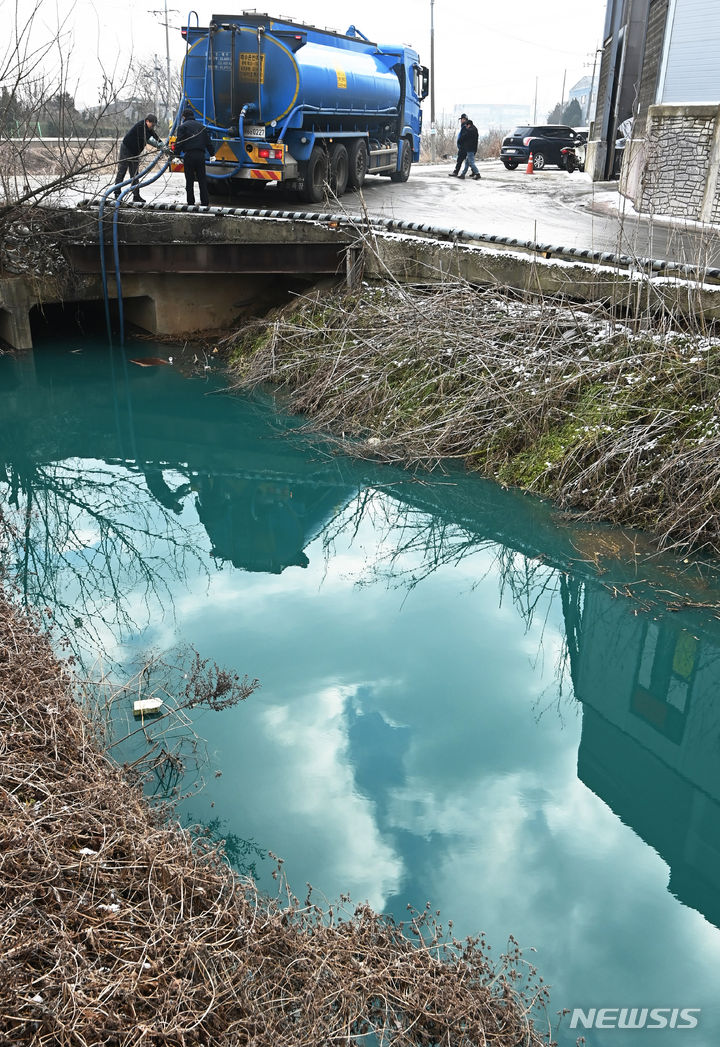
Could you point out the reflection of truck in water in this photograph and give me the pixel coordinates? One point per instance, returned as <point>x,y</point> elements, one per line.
<point>305,107</point>
<point>265,523</point>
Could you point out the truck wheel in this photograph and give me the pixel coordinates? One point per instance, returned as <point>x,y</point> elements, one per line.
<point>338,169</point>
<point>316,176</point>
<point>358,162</point>
<point>405,163</point>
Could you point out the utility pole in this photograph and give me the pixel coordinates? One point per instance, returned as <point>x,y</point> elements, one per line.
<point>167,58</point>
<point>535,103</point>
<point>433,129</point>
<point>156,71</point>
<point>168,89</point>
<point>593,87</point>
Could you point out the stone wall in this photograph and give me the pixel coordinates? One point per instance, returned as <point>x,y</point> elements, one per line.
<point>672,164</point>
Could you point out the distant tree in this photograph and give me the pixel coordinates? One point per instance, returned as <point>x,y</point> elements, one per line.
<point>58,116</point>
<point>555,115</point>
<point>37,103</point>
<point>47,146</point>
<point>9,114</point>
<point>572,114</point>
<point>150,87</point>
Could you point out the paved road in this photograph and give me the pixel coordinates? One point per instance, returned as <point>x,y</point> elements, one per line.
<point>548,207</point>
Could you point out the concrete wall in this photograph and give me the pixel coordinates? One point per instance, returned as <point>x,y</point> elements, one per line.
<point>174,304</point>
<point>182,276</point>
<point>635,159</point>
<point>620,65</point>
<point>652,59</point>
<point>417,260</point>
<point>672,168</point>
<point>178,303</point>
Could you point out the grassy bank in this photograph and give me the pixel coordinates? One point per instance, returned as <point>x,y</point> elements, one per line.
<point>119,929</point>
<point>621,425</point>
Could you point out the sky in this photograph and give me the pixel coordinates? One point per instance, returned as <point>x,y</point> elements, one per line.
<point>484,52</point>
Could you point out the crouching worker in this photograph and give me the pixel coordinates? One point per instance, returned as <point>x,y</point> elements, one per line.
<point>140,134</point>
<point>192,143</point>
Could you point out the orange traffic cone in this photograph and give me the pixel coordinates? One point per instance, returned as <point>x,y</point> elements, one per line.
<point>530,169</point>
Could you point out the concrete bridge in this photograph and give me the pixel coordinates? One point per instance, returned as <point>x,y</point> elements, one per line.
<point>187,269</point>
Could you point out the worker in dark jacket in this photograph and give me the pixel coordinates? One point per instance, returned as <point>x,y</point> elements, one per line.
<point>132,145</point>
<point>462,151</point>
<point>192,143</point>
<point>471,144</point>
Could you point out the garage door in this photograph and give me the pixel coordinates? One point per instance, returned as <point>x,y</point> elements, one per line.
<point>691,64</point>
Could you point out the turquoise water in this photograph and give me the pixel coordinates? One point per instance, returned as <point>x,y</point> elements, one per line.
<point>464,698</point>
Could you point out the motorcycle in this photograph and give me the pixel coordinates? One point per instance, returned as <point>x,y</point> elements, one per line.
<point>573,157</point>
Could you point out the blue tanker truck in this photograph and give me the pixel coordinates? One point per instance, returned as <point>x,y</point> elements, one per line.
<point>300,106</point>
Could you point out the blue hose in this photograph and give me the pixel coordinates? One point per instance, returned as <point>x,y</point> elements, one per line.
<point>141,183</point>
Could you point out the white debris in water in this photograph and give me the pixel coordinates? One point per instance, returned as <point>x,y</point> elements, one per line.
<point>147,705</point>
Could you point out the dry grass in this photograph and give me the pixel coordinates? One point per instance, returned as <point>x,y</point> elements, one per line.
<point>621,424</point>
<point>118,929</point>
<point>446,143</point>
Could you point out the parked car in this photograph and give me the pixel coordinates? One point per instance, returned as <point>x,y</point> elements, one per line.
<point>544,141</point>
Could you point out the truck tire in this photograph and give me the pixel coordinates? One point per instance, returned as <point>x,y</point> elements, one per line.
<point>358,163</point>
<point>338,168</point>
<point>405,163</point>
<point>316,176</point>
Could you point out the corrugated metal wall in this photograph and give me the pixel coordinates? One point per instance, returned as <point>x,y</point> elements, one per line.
<point>691,69</point>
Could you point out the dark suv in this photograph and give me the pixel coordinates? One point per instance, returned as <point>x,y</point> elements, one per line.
<point>544,141</point>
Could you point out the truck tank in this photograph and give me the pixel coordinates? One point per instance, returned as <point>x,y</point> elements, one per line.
<point>283,68</point>
<point>309,108</point>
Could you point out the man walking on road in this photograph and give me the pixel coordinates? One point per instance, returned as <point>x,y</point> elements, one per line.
<point>462,151</point>
<point>471,144</point>
<point>131,147</point>
<point>192,142</point>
